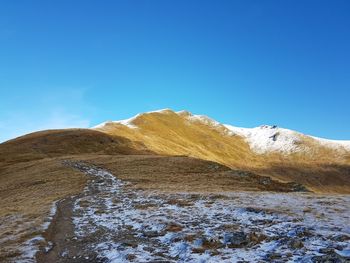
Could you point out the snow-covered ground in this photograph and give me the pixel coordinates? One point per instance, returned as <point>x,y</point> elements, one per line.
<point>266,138</point>
<point>27,229</point>
<point>122,224</point>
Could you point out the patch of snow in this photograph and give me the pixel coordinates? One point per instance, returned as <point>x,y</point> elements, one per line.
<point>136,223</point>
<point>166,110</point>
<point>205,120</point>
<point>28,250</point>
<point>101,125</point>
<point>344,253</point>
<point>267,138</point>
<point>126,122</point>
<point>335,144</point>
<point>52,213</point>
<point>30,247</point>
<point>183,113</point>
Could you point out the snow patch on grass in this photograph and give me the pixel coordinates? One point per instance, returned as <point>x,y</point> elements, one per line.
<point>124,224</point>
<point>30,246</point>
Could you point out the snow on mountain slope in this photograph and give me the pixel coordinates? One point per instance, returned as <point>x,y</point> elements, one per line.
<point>333,143</point>
<point>126,122</point>
<point>261,140</point>
<point>266,138</point>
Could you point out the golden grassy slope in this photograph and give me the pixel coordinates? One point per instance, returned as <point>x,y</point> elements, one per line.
<point>168,133</point>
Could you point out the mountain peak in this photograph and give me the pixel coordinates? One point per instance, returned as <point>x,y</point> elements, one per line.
<point>263,139</point>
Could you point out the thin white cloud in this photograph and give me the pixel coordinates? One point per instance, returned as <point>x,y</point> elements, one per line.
<point>19,124</point>
<point>60,119</point>
<point>55,108</point>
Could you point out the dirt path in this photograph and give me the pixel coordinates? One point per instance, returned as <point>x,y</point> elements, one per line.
<point>60,231</point>
<point>111,222</point>
<point>63,244</point>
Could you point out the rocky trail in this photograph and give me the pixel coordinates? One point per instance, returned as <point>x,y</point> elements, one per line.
<point>112,222</point>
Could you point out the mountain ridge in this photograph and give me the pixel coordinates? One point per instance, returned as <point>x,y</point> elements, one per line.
<point>317,165</point>
<point>280,153</point>
<point>256,136</point>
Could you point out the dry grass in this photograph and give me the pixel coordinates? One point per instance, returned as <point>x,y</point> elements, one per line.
<point>320,168</point>
<point>181,174</point>
<point>54,143</point>
<point>27,192</point>
<point>28,187</point>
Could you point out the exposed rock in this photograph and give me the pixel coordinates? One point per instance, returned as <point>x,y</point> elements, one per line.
<point>236,239</point>
<point>273,256</point>
<point>265,180</point>
<point>341,238</point>
<point>150,234</point>
<point>296,244</point>
<point>295,187</point>
<point>332,256</point>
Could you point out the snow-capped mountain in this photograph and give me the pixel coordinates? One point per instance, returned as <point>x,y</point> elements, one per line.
<point>286,155</point>
<point>261,140</point>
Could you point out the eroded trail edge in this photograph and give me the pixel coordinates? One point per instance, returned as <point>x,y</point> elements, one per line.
<point>112,222</point>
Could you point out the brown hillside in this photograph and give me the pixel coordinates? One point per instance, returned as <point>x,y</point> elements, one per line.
<point>52,143</point>
<point>170,133</point>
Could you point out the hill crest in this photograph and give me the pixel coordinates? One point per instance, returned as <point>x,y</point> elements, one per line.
<point>261,140</point>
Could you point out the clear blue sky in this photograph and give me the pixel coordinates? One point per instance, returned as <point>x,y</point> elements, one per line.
<point>246,63</point>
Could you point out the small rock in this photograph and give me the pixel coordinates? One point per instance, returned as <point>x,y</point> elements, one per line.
<point>236,239</point>
<point>326,250</point>
<point>265,180</point>
<point>151,234</point>
<point>341,238</point>
<point>272,256</point>
<point>296,244</point>
<point>130,257</point>
<point>331,257</point>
